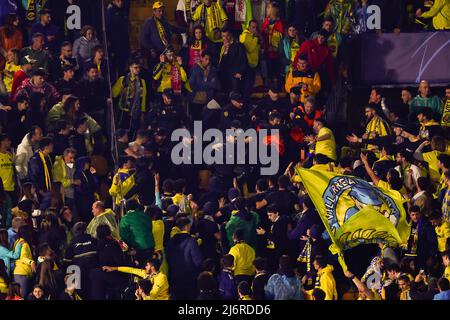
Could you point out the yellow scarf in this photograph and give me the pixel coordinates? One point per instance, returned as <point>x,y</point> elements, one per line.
<point>48,180</point>
<point>161,32</point>
<point>197,45</point>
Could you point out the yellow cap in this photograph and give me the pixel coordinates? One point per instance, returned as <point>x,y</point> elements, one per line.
<point>157,5</point>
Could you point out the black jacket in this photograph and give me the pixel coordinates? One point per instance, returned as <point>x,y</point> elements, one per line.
<point>184,259</point>
<point>93,95</point>
<point>36,172</point>
<point>427,243</point>
<point>82,251</point>
<point>235,61</point>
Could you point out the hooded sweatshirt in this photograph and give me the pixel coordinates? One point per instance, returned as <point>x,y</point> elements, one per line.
<point>246,220</point>
<point>325,281</point>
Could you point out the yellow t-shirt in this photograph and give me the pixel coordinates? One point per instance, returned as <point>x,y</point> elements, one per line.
<point>243,259</point>
<point>7,171</point>
<point>215,18</point>
<point>442,234</point>
<point>326,147</point>
<point>8,75</point>
<point>158,234</point>
<point>447,273</point>
<point>432,160</point>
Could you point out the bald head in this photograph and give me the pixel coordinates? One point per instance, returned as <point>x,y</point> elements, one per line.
<point>424,88</point>
<point>98,207</point>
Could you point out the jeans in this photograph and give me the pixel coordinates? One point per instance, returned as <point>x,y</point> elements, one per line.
<point>25,284</point>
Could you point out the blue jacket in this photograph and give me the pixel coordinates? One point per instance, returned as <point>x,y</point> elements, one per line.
<point>150,38</point>
<point>198,82</point>
<point>36,172</point>
<point>227,285</point>
<point>444,295</point>
<point>7,255</point>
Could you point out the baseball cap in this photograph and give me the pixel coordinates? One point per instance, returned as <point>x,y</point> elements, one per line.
<point>157,5</point>
<point>236,96</point>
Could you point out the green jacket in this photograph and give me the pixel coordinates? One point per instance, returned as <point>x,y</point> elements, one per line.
<point>432,102</point>
<point>58,113</point>
<point>60,173</point>
<point>248,221</point>
<point>135,230</point>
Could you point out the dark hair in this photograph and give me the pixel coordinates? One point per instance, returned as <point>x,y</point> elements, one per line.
<point>26,232</point>
<point>182,222</point>
<point>414,209</point>
<point>179,185</point>
<point>389,149</point>
<point>225,29</point>
<point>38,35</point>
<point>103,231</point>
<point>21,99</point>
<point>85,29</point>
<point>145,285</point>
<point>79,122</point>
<point>445,159</point>
<point>10,28</point>
<point>209,265</point>
<point>4,238</point>
<point>45,141</point>
<point>405,278</point>
<point>65,44</point>
<point>155,263</point>
<point>239,235</point>
<point>283,181</point>
<point>167,185</point>
<point>321,261</point>
<point>206,281</point>
<point>260,263</point>
<point>444,284</point>
<point>155,212</point>
<point>308,202</point>
<point>244,288</point>
<point>228,261</point>
<point>67,67</point>
<point>90,66</point>
<point>273,208</point>
<point>446,253</point>
<point>423,183</point>
<point>318,294</point>
<point>133,205</point>
<point>303,57</point>
<point>262,184</point>
<point>393,267</point>
<point>438,143</point>
<point>328,18</point>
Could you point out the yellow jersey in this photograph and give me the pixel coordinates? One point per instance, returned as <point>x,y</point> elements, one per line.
<point>326,147</point>
<point>243,259</point>
<point>7,171</point>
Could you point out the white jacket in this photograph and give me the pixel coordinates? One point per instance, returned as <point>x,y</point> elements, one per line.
<point>23,155</point>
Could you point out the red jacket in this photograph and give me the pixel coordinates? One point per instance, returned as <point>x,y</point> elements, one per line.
<point>277,26</point>
<point>319,56</point>
<point>18,79</point>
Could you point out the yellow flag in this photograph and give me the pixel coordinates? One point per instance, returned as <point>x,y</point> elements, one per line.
<point>355,212</point>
